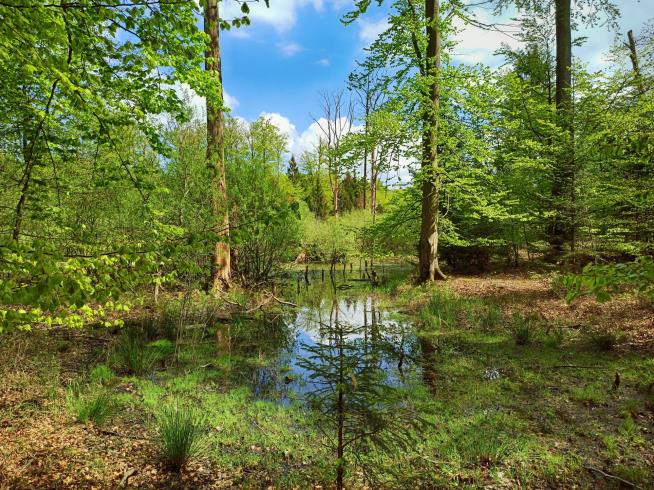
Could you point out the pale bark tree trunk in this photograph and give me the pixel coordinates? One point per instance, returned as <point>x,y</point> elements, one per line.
<point>220,260</point>
<point>429,267</point>
<point>562,226</point>
<point>373,180</point>
<point>365,151</point>
<point>633,55</point>
<point>335,189</point>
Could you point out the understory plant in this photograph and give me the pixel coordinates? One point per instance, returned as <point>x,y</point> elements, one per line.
<point>131,356</point>
<point>180,430</point>
<point>91,404</point>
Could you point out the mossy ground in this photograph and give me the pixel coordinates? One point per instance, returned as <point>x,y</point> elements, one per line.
<point>544,414</point>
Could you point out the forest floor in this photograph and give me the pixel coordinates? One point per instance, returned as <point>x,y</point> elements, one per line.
<point>524,394</point>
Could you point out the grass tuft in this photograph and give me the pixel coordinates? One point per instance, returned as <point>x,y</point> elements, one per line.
<point>132,357</point>
<point>523,329</point>
<point>101,375</point>
<point>95,406</point>
<point>180,431</point>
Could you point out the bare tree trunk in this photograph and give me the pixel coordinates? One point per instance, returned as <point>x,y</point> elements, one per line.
<point>335,189</point>
<point>562,225</point>
<point>373,180</point>
<point>429,267</point>
<point>633,55</point>
<point>220,260</point>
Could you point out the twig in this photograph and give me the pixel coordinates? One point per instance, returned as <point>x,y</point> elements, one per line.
<point>126,475</point>
<point>613,477</point>
<point>575,366</point>
<point>117,434</point>
<point>233,303</point>
<point>282,302</point>
<point>259,427</point>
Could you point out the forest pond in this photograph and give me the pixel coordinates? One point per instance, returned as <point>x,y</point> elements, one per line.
<point>339,330</point>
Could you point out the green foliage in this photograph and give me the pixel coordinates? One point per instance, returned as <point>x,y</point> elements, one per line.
<point>335,236</point>
<point>91,404</point>
<point>524,328</point>
<point>555,337</point>
<point>101,375</point>
<point>355,405</point>
<point>443,310</point>
<point>180,432</point>
<point>41,285</point>
<point>131,356</point>
<point>162,347</point>
<point>264,211</point>
<point>603,281</point>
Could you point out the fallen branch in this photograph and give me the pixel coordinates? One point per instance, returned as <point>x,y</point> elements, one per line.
<point>233,303</point>
<point>576,366</point>
<point>117,434</point>
<point>612,477</point>
<point>281,301</point>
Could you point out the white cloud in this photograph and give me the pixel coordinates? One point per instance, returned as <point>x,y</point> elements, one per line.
<point>477,45</point>
<point>198,103</point>
<point>369,30</point>
<point>289,49</point>
<point>240,33</point>
<point>230,101</point>
<point>308,139</point>
<point>285,126</point>
<point>323,62</point>
<point>282,14</point>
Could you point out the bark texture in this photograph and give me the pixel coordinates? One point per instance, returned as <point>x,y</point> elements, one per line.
<point>220,260</point>
<point>429,267</point>
<point>562,228</point>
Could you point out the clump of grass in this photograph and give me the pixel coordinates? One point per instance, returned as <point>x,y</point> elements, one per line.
<point>555,338</point>
<point>443,310</point>
<point>180,431</point>
<point>489,316</point>
<point>101,375</point>
<point>604,341</point>
<point>589,394</point>
<point>95,406</point>
<point>523,328</point>
<point>162,348</point>
<point>132,357</point>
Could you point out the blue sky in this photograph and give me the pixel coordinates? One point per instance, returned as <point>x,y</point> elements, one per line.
<point>296,48</point>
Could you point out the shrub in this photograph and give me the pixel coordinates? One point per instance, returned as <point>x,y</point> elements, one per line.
<point>180,431</point>
<point>96,406</point>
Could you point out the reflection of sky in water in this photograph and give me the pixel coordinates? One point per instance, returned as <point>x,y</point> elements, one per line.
<point>379,336</point>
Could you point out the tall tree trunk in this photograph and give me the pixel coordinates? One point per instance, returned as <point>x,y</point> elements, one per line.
<point>220,260</point>
<point>335,191</point>
<point>373,180</point>
<point>633,55</point>
<point>562,224</point>
<point>365,150</point>
<point>429,268</point>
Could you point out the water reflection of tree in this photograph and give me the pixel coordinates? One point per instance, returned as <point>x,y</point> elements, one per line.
<point>252,359</point>
<point>358,408</point>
